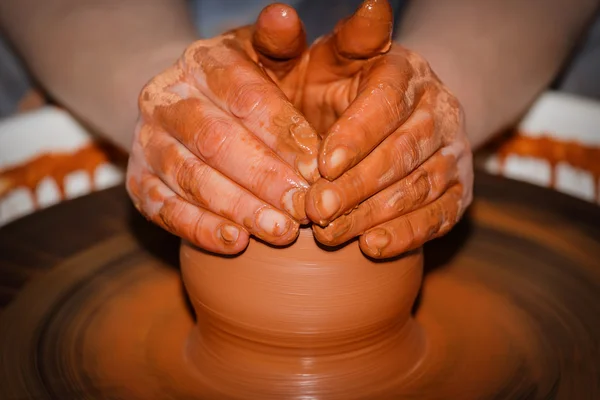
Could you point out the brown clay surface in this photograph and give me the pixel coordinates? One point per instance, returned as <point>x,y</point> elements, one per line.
<point>56,165</point>
<point>509,308</point>
<point>554,151</point>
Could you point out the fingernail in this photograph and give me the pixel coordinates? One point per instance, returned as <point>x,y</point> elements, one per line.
<point>293,202</point>
<point>273,222</point>
<point>327,205</point>
<point>229,233</point>
<point>377,240</point>
<point>308,168</point>
<point>339,160</point>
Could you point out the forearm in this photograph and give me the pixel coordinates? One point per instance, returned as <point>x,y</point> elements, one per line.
<point>496,56</point>
<point>94,56</point>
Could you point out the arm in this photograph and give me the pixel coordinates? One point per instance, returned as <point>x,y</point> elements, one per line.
<point>94,56</point>
<point>496,56</point>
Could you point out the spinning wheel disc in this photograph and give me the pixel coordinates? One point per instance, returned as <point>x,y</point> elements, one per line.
<point>515,287</point>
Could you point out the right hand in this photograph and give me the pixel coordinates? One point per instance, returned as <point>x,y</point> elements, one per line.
<point>219,151</point>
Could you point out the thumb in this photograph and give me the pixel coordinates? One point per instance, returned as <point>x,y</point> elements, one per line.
<point>364,35</point>
<point>367,33</point>
<point>279,38</point>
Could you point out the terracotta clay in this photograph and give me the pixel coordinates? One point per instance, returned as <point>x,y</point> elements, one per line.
<point>301,321</point>
<point>554,151</point>
<point>508,309</point>
<point>301,311</point>
<point>276,322</point>
<point>57,166</point>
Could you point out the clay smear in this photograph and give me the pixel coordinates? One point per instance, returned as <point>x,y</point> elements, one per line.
<point>56,166</point>
<point>554,151</point>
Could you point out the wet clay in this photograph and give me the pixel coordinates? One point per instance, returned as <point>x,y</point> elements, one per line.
<point>321,316</point>
<point>508,309</point>
<point>501,319</point>
<point>554,151</point>
<point>57,166</point>
<point>296,134</point>
<point>283,323</point>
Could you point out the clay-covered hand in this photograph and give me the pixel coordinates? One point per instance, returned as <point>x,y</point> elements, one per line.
<point>395,160</point>
<point>219,152</point>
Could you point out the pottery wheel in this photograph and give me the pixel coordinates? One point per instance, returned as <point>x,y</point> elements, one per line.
<point>94,306</point>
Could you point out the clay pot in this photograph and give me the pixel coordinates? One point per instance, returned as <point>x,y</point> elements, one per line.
<point>302,314</point>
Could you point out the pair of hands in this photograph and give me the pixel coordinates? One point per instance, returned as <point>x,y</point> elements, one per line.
<point>253,133</point>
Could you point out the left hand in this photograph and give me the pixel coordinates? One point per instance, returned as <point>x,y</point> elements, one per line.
<point>395,160</point>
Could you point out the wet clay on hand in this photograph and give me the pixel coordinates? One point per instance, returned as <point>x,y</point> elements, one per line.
<point>395,159</point>
<point>220,153</point>
<point>230,137</point>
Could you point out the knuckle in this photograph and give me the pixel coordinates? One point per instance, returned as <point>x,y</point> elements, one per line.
<point>133,177</point>
<point>407,153</point>
<point>358,184</point>
<point>155,92</point>
<point>419,64</point>
<point>193,54</point>
<point>190,52</point>
<point>411,235</point>
<point>199,230</point>
<point>425,128</point>
<point>181,171</point>
<point>248,99</point>
<point>449,113</point>
<point>234,207</point>
<point>455,112</point>
<point>443,216</point>
<point>260,182</point>
<point>194,178</point>
<point>396,204</point>
<point>211,139</point>
<point>188,177</point>
<point>168,217</point>
<point>391,99</point>
<point>368,212</point>
<point>421,187</point>
<point>442,219</point>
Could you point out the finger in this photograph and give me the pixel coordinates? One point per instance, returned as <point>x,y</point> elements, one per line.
<point>424,185</point>
<point>364,35</point>
<point>201,185</point>
<point>279,39</point>
<point>367,33</point>
<point>196,225</point>
<point>237,85</point>
<point>397,156</point>
<point>415,229</point>
<point>225,145</point>
<point>388,95</point>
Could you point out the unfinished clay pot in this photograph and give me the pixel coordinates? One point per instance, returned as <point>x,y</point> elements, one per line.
<point>302,315</point>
